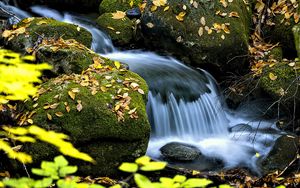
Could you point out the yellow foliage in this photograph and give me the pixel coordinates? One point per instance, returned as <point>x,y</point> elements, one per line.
<point>17,77</point>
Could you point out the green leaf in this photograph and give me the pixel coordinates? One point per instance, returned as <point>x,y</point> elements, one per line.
<point>128,167</point>
<point>196,182</point>
<point>40,172</point>
<point>143,160</point>
<point>98,186</point>
<point>66,170</point>
<point>228,186</point>
<point>166,182</point>
<point>142,181</point>
<point>153,166</point>
<point>46,182</point>
<point>47,165</point>
<point>61,161</point>
<point>19,183</point>
<point>179,178</point>
<point>116,186</point>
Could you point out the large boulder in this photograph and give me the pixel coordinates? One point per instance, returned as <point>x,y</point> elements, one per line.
<point>77,5</point>
<point>204,33</point>
<point>120,30</point>
<point>180,151</point>
<point>102,110</point>
<point>30,32</point>
<point>279,24</point>
<point>108,6</point>
<point>282,154</point>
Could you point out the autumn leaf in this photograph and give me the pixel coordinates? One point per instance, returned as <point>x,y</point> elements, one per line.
<point>79,106</point>
<point>272,76</point>
<point>200,31</point>
<point>117,64</point>
<point>118,15</point>
<point>49,116</point>
<point>41,22</point>
<point>59,114</point>
<point>141,91</point>
<point>234,14</point>
<point>71,94</point>
<point>202,21</point>
<point>150,25</point>
<point>159,2</point>
<point>180,16</point>
<point>166,8</point>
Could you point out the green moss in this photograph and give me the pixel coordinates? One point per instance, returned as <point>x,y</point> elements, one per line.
<point>40,28</point>
<point>108,6</point>
<point>276,53</point>
<point>296,31</point>
<point>96,128</point>
<point>120,30</point>
<point>183,40</point>
<point>284,87</point>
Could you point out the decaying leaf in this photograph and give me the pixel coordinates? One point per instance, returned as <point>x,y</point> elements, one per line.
<point>202,21</point>
<point>180,16</point>
<point>59,114</point>
<point>72,95</point>
<point>200,31</point>
<point>141,91</point>
<point>79,106</point>
<point>234,14</point>
<point>272,76</point>
<point>150,25</point>
<point>118,15</point>
<point>49,116</point>
<point>159,2</point>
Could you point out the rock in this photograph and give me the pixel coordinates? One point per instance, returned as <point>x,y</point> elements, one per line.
<point>109,6</point>
<point>281,31</point>
<point>283,153</point>
<point>30,32</point>
<point>180,151</point>
<point>198,37</point>
<point>101,117</point>
<point>120,30</point>
<point>241,128</point>
<point>76,5</point>
<point>284,88</point>
<point>65,56</point>
<point>296,31</point>
<point>133,13</point>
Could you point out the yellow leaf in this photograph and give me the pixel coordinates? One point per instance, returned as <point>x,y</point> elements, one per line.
<point>30,121</point>
<point>141,91</point>
<point>117,64</point>
<point>6,33</point>
<point>223,37</point>
<point>166,8</point>
<point>159,2</point>
<point>224,3</point>
<point>117,107</point>
<point>131,3</point>
<point>180,16</point>
<point>71,94</point>
<point>234,14</point>
<point>103,89</point>
<point>153,8</point>
<point>59,114</point>
<point>41,22</point>
<point>118,15</point>
<point>78,28</point>
<point>202,21</point>
<point>200,31</point>
<point>49,116</point>
<point>272,76</point>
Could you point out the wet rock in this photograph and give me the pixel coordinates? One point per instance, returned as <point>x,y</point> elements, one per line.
<point>198,37</point>
<point>133,13</point>
<point>180,151</point>
<point>282,154</point>
<point>30,32</point>
<point>120,30</point>
<point>240,128</point>
<point>107,6</point>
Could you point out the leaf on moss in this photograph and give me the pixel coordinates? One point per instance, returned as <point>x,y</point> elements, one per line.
<point>272,76</point>
<point>118,15</point>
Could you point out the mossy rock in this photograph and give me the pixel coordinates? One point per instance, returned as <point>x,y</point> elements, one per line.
<point>296,31</point>
<point>284,87</point>
<point>101,110</point>
<point>37,29</point>
<point>282,32</point>
<point>225,51</point>
<point>120,30</point>
<point>108,6</point>
<point>65,56</point>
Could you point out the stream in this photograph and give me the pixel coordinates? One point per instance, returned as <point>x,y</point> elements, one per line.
<point>185,105</point>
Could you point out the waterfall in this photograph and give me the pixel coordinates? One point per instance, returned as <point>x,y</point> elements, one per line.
<point>184,104</point>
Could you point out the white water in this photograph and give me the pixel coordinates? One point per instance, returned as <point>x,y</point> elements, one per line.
<point>180,106</point>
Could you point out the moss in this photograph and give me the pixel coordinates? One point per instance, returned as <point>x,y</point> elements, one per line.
<point>95,129</point>
<point>108,6</point>
<point>284,87</point>
<point>276,53</point>
<point>120,30</point>
<point>39,28</point>
<point>183,40</point>
<point>296,31</point>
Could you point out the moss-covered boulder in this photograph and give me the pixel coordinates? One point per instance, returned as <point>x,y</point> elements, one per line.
<point>281,83</point>
<point>30,32</point>
<point>102,110</point>
<point>204,32</point>
<point>76,5</point>
<point>107,6</point>
<point>282,154</point>
<point>296,31</point>
<point>278,27</point>
<point>120,30</point>
<point>65,56</point>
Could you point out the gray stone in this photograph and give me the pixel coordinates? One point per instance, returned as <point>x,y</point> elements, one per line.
<point>180,151</point>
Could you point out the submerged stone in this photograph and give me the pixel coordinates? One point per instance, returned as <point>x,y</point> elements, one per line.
<point>133,13</point>
<point>180,151</point>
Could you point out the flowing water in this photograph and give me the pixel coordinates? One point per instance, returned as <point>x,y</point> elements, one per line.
<point>185,105</point>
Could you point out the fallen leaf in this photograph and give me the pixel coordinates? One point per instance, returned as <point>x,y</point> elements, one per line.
<point>141,91</point>
<point>159,2</point>
<point>150,25</point>
<point>234,14</point>
<point>79,106</point>
<point>30,121</point>
<point>223,37</point>
<point>41,22</point>
<point>118,15</point>
<point>272,76</point>
<point>202,21</point>
<point>166,8</point>
<point>200,31</point>
<point>180,16</point>
<point>59,114</point>
<point>153,8</point>
<point>117,64</point>
<point>71,94</point>
<point>49,116</point>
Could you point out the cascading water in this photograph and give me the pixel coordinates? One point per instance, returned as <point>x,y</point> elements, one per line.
<point>184,105</point>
